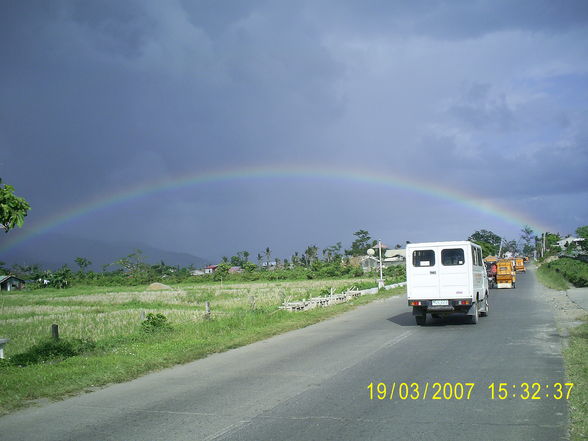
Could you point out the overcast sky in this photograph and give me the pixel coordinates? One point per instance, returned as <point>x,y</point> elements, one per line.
<point>487,98</point>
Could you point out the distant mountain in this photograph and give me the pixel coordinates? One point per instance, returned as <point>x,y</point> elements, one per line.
<point>51,251</point>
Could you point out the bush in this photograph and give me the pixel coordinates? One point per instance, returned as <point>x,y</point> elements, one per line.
<point>155,323</point>
<point>61,278</point>
<point>52,350</point>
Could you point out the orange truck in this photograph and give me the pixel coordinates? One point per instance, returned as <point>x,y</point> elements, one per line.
<point>520,264</point>
<point>506,275</point>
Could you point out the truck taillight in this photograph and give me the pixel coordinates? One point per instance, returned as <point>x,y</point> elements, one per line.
<point>415,303</point>
<point>464,302</point>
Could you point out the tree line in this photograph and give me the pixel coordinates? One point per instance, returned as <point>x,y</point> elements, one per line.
<point>313,263</point>
<point>529,243</point>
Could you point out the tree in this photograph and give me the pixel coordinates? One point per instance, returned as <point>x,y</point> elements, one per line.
<point>360,245</point>
<point>83,263</point>
<point>551,240</point>
<point>582,232</point>
<point>487,249</point>
<point>332,253</point>
<point>27,272</point>
<point>240,258</point>
<point>527,237</point>
<point>510,245</point>
<point>249,267</point>
<point>61,278</point>
<point>162,270</point>
<point>489,241</point>
<point>133,263</point>
<point>310,255</point>
<point>268,256</point>
<point>13,209</point>
<point>222,271</point>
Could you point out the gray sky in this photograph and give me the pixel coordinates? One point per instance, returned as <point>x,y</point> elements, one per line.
<point>487,98</point>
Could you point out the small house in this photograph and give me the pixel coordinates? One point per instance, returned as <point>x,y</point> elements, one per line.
<point>563,243</point>
<point>11,283</point>
<point>210,269</point>
<point>394,257</point>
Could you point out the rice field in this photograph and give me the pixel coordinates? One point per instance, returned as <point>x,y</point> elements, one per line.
<point>100,314</point>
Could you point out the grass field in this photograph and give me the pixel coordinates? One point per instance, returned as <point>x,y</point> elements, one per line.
<point>116,347</point>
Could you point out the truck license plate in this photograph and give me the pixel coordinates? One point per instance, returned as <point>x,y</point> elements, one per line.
<point>440,302</point>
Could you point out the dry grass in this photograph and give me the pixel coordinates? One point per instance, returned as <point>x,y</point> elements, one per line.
<point>26,318</point>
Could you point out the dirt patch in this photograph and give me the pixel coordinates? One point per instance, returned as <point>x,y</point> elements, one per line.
<point>567,312</point>
<point>158,287</point>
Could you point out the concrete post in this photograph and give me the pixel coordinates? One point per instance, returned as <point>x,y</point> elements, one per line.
<point>3,341</point>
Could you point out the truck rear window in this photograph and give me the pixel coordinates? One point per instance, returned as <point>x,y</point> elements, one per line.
<point>423,258</point>
<point>452,256</point>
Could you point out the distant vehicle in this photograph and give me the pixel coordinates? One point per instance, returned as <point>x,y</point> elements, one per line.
<point>491,273</point>
<point>506,275</point>
<point>445,278</point>
<point>520,265</point>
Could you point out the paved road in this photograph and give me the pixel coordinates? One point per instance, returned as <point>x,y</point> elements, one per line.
<point>311,384</point>
<point>579,296</point>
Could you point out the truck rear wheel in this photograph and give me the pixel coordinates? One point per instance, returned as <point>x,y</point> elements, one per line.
<point>421,319</point>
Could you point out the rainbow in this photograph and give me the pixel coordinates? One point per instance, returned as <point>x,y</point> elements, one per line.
<point>275,172</point>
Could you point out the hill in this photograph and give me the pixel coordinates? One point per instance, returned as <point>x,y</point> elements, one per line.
<point>51,251</point>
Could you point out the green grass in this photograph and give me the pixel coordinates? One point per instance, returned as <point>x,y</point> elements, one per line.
<point>577,370</point>
<point>560,274</point>
<point>563,272</point>
<point>119,350</point>
<point>552,279</point>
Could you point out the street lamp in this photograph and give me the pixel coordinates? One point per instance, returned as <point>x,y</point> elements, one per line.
<point>371,253</point>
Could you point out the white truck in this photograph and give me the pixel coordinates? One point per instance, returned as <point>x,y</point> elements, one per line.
<point>445,278</point>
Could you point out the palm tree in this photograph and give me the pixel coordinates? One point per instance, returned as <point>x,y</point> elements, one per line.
<point>268,255</point>
<point>82,262</point>
<point>310,254</point>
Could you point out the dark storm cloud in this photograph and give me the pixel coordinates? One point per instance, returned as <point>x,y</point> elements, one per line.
<point>481,111</point>
<point>96,97</point>
<point>456,19</point>
<point>102,85</point>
